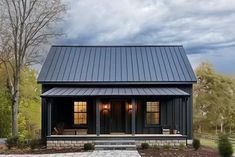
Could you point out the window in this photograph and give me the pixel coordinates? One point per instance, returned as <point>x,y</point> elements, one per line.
<point>153,113</point>
<point>80,113</point>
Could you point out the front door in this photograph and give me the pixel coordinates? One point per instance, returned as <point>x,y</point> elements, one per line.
<point>117,117</point>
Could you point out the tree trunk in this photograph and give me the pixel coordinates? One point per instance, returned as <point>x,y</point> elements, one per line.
<point>221,127</point>
<point>216,130</point>
<point>15,105</point>
<point>230,129</point>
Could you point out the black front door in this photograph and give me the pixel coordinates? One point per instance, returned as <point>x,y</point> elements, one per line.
<point>117,117</point>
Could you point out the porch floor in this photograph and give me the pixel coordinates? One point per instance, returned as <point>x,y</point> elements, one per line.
<point>121,135</point>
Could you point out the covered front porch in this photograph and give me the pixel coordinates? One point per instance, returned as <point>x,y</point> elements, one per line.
<point>115,112</point>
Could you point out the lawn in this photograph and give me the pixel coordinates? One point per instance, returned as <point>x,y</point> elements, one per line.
<point>211,143</point>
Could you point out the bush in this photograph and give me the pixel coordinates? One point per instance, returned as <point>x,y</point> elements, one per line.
<point>35,143</point>
<point>22,143</point>
<point>88,146</point>
<point>144,145</point>
<point>156,147</point>
<point>225,146</point>
<point>182,147</point>
<point>12,141</point>
<point>166,147</point>
<point>196,144</point>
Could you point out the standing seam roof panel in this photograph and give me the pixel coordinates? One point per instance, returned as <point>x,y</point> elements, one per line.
<point>47,64</point>
<point>177,64</point>
<point>116,64</point>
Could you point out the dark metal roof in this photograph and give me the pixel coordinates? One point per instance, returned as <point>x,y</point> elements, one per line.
<point>100,64</point>
<point>62,91</point>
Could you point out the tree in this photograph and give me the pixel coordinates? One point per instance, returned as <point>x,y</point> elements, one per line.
<point>26,26</point>
<point>214,103</point>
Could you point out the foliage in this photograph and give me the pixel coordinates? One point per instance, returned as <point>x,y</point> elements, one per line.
<point>29,111</point>
<point>196,144</point>
<point>214,100</point>
<point>144,145</point>
<point>12,141</point>
<point>156,147</point>
<point>35,143</point>
<point>225,146</point>
<point>5,108</point>
<point>88,146</point>
<point>166,147</point>
<point>182,147</point>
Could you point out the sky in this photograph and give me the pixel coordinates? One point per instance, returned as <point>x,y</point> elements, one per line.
<point>206,28</point>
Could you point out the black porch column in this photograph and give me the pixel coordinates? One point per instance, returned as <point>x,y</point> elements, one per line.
<point>44,118</point>
<point>97,108</point>
<point>49,118</point>
<point>186,116</point>
<point>133,103</point>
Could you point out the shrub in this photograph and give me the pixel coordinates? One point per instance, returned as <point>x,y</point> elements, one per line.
<point>156,147</point>
<point>144,145</point>
<point>196,144</point>
<point>35,143</point>
<point>88,146</point>
<point>12,141</point>
<point>225,146</point>
<point>166,147</point>
<point>22,143</point>
<point>182,146</point>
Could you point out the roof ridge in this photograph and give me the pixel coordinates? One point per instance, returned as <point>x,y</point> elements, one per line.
<point>64,45</point>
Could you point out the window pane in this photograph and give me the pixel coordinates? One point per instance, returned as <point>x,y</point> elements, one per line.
<point>82,118</point>
<point>152,118</point>
<point>75,118</point>
<point>80,112</point>
<point>153,106</point>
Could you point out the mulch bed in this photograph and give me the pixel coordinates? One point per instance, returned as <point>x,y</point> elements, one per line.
<point>188,152</point>
<point>38,151</point>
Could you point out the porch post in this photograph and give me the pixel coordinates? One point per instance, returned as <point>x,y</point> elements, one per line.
<point>97,108</point>
<point>49,118</point>
<point>133,103</point>
<point>186,116</point>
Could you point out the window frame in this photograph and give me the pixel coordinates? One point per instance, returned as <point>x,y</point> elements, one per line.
<point>80,125</point>
<point>159,112</point>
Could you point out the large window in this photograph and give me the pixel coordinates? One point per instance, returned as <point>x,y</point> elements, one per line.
<point>80,113</point>
<point>153,113</point>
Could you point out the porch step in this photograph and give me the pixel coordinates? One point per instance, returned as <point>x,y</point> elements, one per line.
<point>115,145</point>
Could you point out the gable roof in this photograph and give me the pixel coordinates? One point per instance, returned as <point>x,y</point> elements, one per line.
<point>116,64</point>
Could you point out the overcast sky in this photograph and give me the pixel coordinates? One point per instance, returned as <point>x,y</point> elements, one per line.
<point>206,28</point>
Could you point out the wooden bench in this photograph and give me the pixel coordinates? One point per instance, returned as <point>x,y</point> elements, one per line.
<point>75,132</point>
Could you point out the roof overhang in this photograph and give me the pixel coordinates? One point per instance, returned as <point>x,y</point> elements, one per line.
<point>84,92</point>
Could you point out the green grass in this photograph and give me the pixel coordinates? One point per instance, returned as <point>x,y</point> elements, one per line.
<point>211,143</point>
<point>208,143</point>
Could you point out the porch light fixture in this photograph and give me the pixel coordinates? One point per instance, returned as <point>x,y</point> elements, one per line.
<point>105,107</point>
<point>129,107</point>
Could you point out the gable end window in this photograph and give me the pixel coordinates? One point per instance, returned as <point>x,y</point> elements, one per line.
<point>153,113</point>
<point>80,113</point>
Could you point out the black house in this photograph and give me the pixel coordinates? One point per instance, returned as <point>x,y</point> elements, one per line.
<point>142,93</point>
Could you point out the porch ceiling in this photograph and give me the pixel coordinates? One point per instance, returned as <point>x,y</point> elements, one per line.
<point>72,91</point>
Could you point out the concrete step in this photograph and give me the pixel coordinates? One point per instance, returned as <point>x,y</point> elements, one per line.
<point>115,142</point>
<point>115,147</point>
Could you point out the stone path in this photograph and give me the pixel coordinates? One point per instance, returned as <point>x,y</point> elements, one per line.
<point>106,153</point>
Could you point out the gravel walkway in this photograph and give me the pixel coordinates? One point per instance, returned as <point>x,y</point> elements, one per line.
<point>107,153</point>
